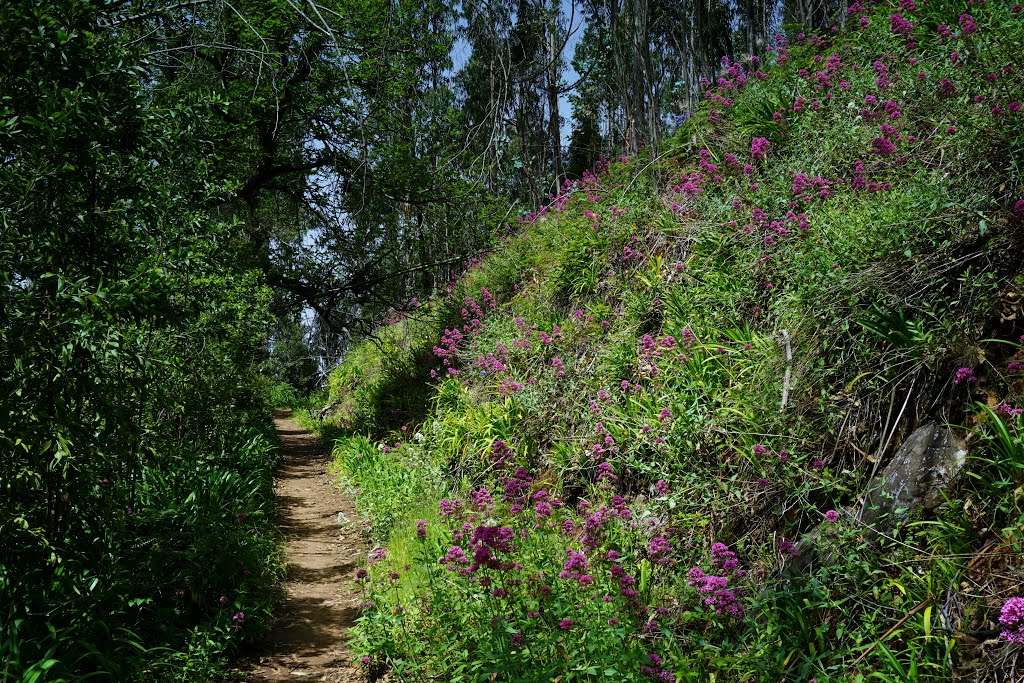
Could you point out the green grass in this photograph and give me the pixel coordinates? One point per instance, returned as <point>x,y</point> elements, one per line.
<point>671,367</point>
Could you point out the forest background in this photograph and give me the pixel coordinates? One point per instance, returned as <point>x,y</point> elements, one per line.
<point>198,195</point>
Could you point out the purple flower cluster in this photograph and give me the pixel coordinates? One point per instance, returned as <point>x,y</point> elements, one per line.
<point>606,473</point>
<point>1012,616</point>
<point>655,669</point>
<point>805,187</point>
<point>967,24</point>
<point>455,556</point>
<point>515,486</point>
<point>490,364</point>
<point>501,455</point>
<point>575,568</point>
<point>448,350</point>
<point>509,386</point>
<point>448,508</point>
<point>1007,409</point>
<point>900,26</point>
<point>720,595</point>
<point>660,550</point>
<point>759,148</point>
<point>487,542</point>
<point>964,375</point>
<point>882,147</point>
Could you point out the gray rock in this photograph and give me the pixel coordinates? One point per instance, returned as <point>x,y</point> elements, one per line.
<point>925,466</point>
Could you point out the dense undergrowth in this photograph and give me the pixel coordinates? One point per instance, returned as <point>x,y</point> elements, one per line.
<point>136,450</point>
<point>633,442</point>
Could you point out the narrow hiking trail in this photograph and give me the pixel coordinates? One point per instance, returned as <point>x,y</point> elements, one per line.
<point>308,638</point>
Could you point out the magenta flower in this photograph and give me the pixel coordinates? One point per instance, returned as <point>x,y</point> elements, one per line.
<point>724,558</point>
<point>831,516</point>
<point>720,596</point>
<point>964,375</point>
<point>659,549</point>
<point>900,26</point>
<point>605,471</point>
<point>882,147</point>
<point>759,148</point>
<point>421,528</point>
<point>967,24</point>
<point>1012,615</point>
<point>565,624</point>
<point>1006,409</point>
<point>455,556</point>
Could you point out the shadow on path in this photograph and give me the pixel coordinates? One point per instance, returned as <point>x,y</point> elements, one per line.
<point>307,640</point>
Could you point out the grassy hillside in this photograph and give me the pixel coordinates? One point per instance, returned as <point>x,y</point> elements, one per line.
<point>634,442</point>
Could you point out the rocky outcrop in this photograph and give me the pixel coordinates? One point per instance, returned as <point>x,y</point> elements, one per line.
<point>923,469</point>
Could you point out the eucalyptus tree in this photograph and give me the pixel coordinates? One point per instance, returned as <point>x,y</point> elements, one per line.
<point>511,87</point>
<point>644,61</point>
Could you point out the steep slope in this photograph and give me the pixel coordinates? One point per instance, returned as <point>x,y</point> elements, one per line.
<point>639,439</point>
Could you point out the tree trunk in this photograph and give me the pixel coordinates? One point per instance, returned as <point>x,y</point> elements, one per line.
<point>554,118</point>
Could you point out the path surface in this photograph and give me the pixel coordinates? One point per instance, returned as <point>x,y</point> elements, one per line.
<point>307,641</point>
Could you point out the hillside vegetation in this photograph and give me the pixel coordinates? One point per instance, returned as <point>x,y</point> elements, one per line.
<point>635,440</point>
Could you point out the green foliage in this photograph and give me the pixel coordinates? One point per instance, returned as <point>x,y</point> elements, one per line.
<point>389,481</point>
<point>1003,475</point>
<point>136,447</point>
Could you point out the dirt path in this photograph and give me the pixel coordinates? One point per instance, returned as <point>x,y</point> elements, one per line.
<point>307,641</point>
